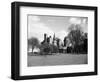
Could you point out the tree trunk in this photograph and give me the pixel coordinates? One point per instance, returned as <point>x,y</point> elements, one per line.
<point>32,49</point>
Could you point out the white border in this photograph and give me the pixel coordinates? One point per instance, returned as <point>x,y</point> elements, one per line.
<point>24,70</point>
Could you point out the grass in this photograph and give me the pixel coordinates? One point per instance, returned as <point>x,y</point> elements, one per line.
<point>56,59</point>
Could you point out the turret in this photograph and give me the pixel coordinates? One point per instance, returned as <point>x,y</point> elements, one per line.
<point>45,37</point>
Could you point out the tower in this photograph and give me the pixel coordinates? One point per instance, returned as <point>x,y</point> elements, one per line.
<point>53,38</point>
<point>45,37</point>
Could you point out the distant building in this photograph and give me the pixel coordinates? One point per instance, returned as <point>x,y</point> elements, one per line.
<point>66,42</point>
<point>45,39</point>
<point>49,40</point>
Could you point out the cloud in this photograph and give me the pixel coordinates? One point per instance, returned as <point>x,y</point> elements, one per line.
<point>75,21</point>
<point>34,18</point>
<point>84,21</point>
<point>78,20</point>
<point>61,34</point>
<point>51,20</point>
<point>38,29</point>
<point>81,21</point>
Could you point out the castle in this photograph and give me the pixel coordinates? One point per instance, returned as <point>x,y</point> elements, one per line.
<point>51,40</point>
<point>54,41</point>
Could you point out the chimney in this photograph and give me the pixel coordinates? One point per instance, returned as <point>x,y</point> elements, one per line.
<point>45,37</point>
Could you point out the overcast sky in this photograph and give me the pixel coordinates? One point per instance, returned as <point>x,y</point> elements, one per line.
<point>40,24</point>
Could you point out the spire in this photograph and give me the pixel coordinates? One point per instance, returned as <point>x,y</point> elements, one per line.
<point>54,36</point>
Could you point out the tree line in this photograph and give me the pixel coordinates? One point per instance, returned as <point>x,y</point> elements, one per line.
<point>75,42</point>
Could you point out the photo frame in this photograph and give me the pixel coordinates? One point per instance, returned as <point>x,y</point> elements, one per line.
<point>33,25</point>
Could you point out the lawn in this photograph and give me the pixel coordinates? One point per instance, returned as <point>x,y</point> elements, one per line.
<point>57,59</point>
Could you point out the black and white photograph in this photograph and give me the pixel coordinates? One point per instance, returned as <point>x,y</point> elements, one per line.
<point>53,40</point>
<point>57,40</point>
